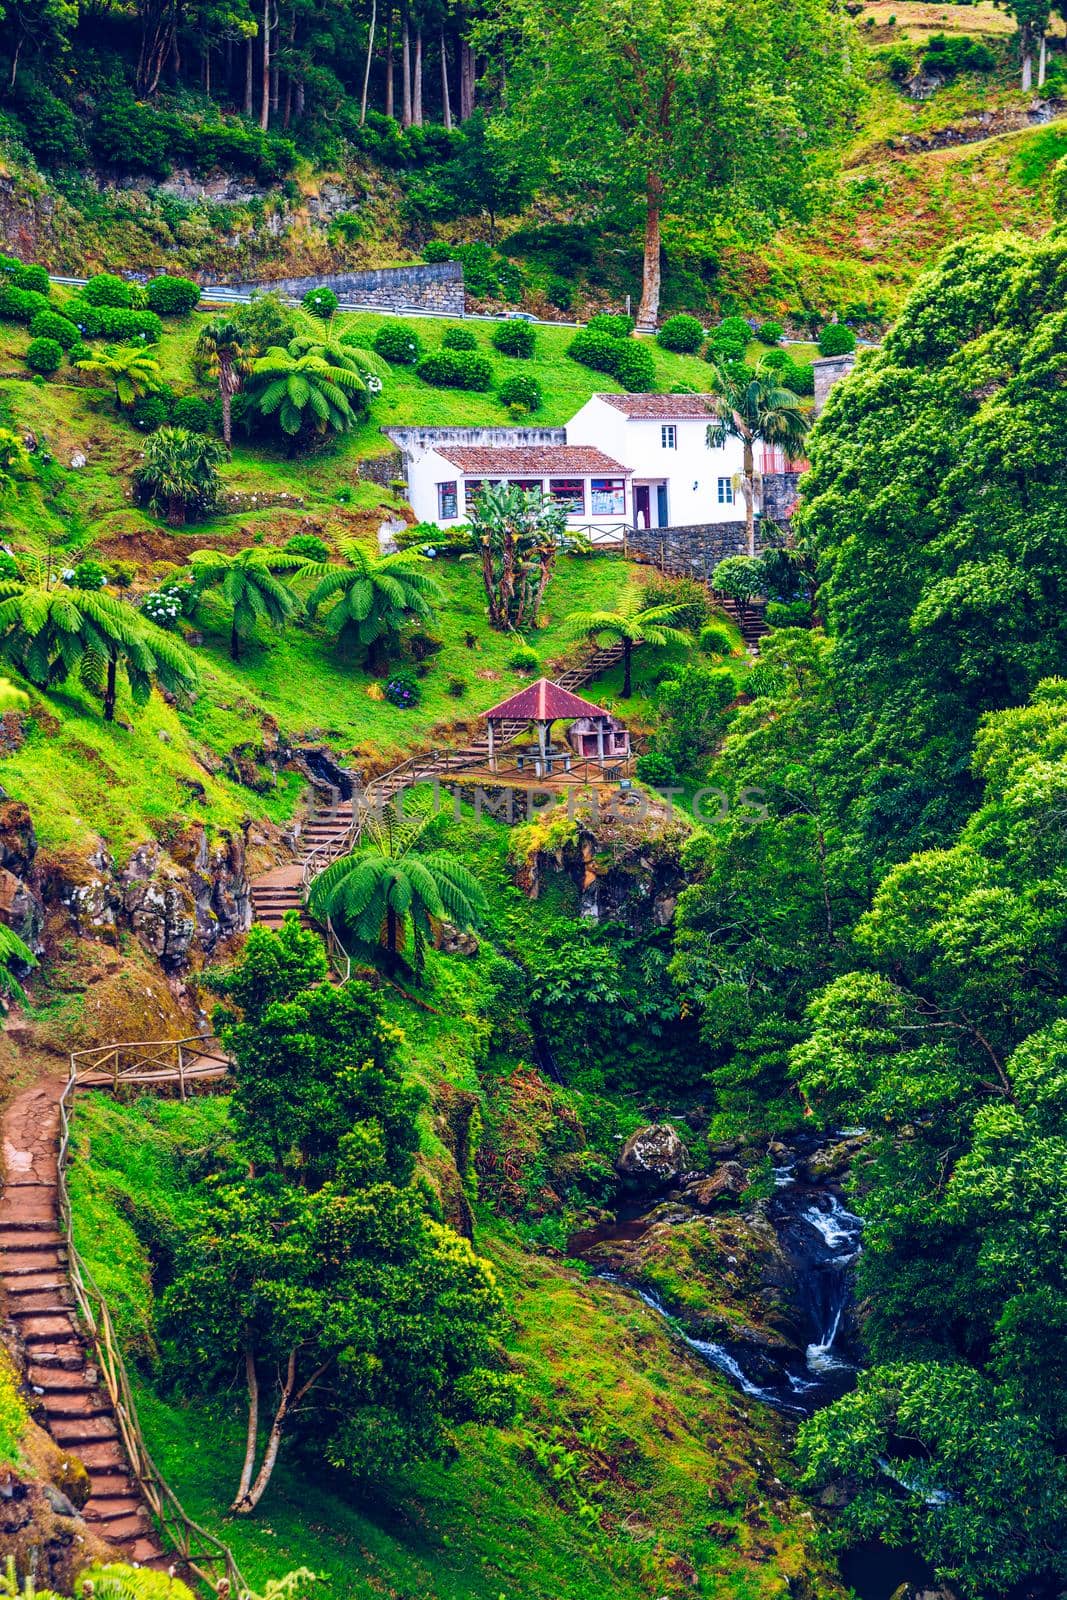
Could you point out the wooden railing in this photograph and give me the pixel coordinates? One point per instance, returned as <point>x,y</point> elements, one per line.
<point>195,1547</point>
<point>148,1062</point>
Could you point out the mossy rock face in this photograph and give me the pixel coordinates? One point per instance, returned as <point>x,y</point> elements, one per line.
<point>72,1479</point>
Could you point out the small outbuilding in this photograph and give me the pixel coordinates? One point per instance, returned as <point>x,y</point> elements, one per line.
<point>594,734</point>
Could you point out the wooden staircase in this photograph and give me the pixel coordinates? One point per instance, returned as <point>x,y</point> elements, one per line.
<point>751,623</point>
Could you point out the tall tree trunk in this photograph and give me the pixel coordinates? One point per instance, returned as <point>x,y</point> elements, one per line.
<point>264,109</point>
<point>748,489</point>
<point>366,68</point>
<point>111,688</point>
<point>226,388</point>
<point>446,102</point>
<point>252,1432</point>
<point>405,69</point>
<point>290,1398</point>
<point>298,99</point>
<point>15,63</point>
<point>391,928</point>
<point>416,84</point>
<point>648,310</point>
<point>627,666</point>
<point>247,107</point>
<point>1026,41</point>
<point>390,87</point>
<point>1042,61</point>
<point>466,81</point>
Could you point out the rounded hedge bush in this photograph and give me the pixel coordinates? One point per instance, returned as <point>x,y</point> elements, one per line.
<point>836,340</point>
<point>105,289</point>
<point>50,325</point>
<point>595,349</point>
<point>459,339</point>
<point>150,412</point>
<point>308,545</point>
<point>735,328</point>
<point>514,339</point>
<point>612,323</point>
<point>682,334</point>
<point>194,414</point>
<point>775,360</point>
<point>722,350</point>
<point>521,390</point>
<point>770,333</point>
<point>456,369</point>
<point>32,277</point>
<point>634,366</point>
<point>44,355</point>
<point>799,376</point>
<point>399,343</point>
<point>523,659</point>
<point>437,250</point>
<point>715,640</point>
<point>321,302</point>
<point>172,297</point>
<point>658,771</point>
<point>114,322</point>
<point>21,305</point>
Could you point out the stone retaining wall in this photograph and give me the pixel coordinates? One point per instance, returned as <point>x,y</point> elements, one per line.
<point>696,549</point>
<point>435,286</point>
<point>416,441</point>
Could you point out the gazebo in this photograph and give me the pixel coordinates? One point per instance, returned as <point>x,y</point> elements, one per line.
<point>542,704</point>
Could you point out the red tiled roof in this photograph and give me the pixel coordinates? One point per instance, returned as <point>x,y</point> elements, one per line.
<point>542,700</point>
<point>532,460</point>
<point>667,407</point>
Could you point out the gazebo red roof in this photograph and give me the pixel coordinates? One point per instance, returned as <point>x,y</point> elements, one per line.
<point>544,701</point>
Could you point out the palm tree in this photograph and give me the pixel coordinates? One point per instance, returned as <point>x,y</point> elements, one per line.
<point>374,597</point>
<point>179,472</point>
<point>388,889</point>
<point>50,630</point>
<point>223,351</point>
<point>633,625</point>
<point>250,585</point>
<point>754,407</point>
<point>129,367</point>
<point>309,386</point>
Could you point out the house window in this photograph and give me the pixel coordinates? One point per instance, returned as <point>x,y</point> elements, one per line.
<point>726,491</point>
<point>448,501</point>
<point>668,436</point>
<point>608,497</point>
<point>568,493</point>
<point>528,485</point>
<point>472,488</point>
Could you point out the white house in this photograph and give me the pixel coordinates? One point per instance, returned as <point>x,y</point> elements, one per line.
<point>676,479</point>
<point>623,461</point>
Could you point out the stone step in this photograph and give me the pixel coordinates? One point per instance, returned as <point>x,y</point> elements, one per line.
<point>36,1327</point>
<point>52,1298</point>
<point>75,1431</point>
<point>75,1403</point>
<point>146,1552</point>
<point>132,1523</point>
<point>103,1456</point>
<point>33,1264</point>
<point>57,1381</point>
<point>32,1212</point>
<point>60,1356</point>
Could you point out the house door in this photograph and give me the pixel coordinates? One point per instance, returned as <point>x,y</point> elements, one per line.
<point>642,506</point>
<point>661,505</point>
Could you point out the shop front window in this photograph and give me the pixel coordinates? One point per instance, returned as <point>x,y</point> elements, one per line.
<point>568,493</point>
<point>608,497</point>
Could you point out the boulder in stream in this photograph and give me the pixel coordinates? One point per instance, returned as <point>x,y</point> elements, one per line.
<point>652,1156</point>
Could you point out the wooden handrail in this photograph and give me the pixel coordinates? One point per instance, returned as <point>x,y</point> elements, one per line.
<point>196,1547</point>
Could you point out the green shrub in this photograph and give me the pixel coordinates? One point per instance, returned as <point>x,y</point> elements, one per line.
<point>435,251</point>
<point>31,276</point>
<point>559,292</point>
<point>836,340</point>
<point>770,333</point>
<point>50,325</point>
<point>105,289</point>
<point>456,369</point>
<point>309,546</point>
<point>172,297</point>
<point>799,376</point>
<point>194,414</point>
<point>9,567</point>
<point>44,355</point>
<point>715,640</point>
<point>523,659</point>
<point>115,322</point>
<point>775,360</point>
<point>521,390</point>
<point>514,338</point>
<point>720,349</point>
<point>595,349</point>
<point>682,334</point>
<point>459,339</point>
<point>735,328</point>
<point>150,412</point>
<point>88,575</point>
<point>634,366</point>
<point>612,323</point>
<point>21,305</point>
<point>321,302</point>
<point>457,687</point>
<point>788,613</point>
<point>399,343</point>
<point>658,771</point>
<point>956,53</point>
